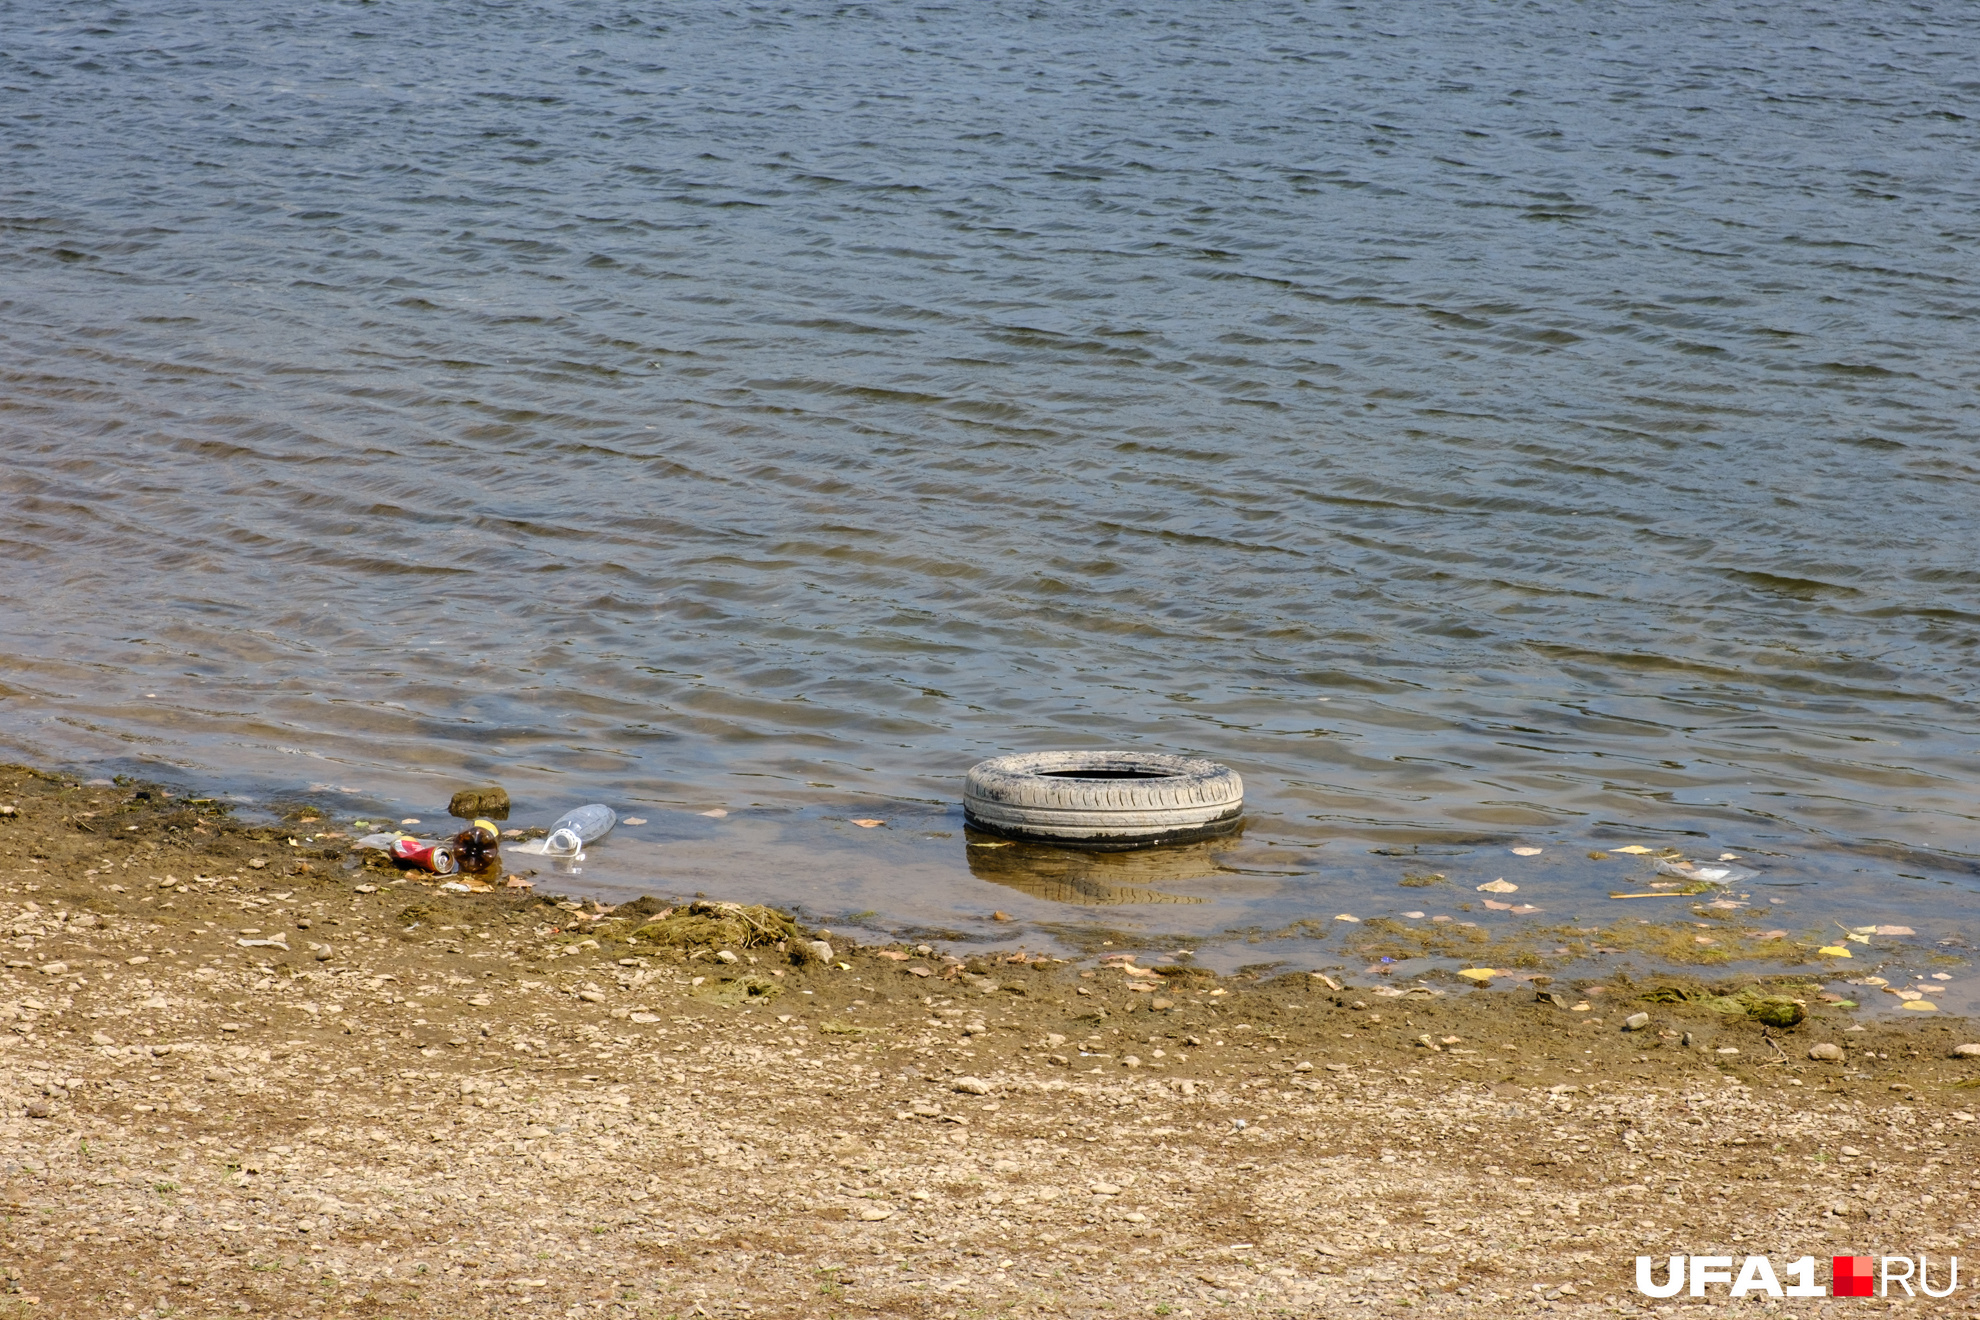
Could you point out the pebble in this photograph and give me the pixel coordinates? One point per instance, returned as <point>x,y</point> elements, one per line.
<point>1826,1051</point>
<point>54,968</point>
<point>875,1214</point>
<point>1966,1051</point>
<point>595,996</point>
<point>972,1086</point>
<point>1104,1189</point>
<point>39,1109</point>
<point>727,957</point>
<point>1636,1022</point>
<point>823,951</point>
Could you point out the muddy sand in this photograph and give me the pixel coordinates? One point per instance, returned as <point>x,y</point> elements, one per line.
<point>245,1075</point>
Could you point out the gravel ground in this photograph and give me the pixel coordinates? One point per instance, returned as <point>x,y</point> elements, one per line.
<point>240,1078</point>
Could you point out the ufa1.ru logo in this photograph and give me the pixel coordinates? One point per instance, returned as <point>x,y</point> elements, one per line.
<point>1849,1276</point>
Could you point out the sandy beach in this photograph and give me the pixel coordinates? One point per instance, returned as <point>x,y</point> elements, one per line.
<point>248,1072</point>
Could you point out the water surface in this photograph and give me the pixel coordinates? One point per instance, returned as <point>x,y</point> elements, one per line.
<point>1475,423</point>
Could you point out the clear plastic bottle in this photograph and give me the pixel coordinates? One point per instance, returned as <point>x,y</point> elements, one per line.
<point>575,829</point>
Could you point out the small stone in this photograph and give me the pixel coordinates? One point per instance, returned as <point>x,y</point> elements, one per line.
<point>54,969</point>
<point>1161,1005</point>
<point>230,1026</point>
<point>1850,1152</point>
<point>1302,1067</point>
<point>39,1109</point>
<point>592,996</point>
<point>972,1086</point>
<point>1826,1051</point>
<point>1636,1022</point>
<point>98,1038</point>
<point>1105,1189</point>
<point>822,951</point>
<point>324,953</point>
<point>727,957</point>
<point>1966,1051</point>
<point>257,863</point>
<point>876,1213</point>
<point>923,1109</point>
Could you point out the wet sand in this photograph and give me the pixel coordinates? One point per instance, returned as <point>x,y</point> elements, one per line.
<point>249,1076</point>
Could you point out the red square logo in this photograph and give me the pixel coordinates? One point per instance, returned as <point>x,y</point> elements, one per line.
<point>1852,1276</point>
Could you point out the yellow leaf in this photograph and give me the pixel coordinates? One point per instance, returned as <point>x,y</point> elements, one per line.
<point>1633,848</point>
<point>1835,951</point>
<point>1479,973</point>
<point>1922,1005</point>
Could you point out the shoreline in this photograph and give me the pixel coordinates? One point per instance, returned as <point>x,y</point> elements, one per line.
<point>239,1073</point>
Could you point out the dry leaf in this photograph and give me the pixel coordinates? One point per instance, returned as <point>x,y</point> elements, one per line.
<point>1834,951</point>
<point>1894,930</point>
<point>1497,906</point>
<point>868,823</point>
<point>718,813</point>
<point>1523,909</point>
<point>1634,848</point>
<point>632,820</point>
<point>1923,1005</point>
<point>1479,973</point>
<point>1345,917</point>
<point>1526,852</point>
<point>1498,886</point>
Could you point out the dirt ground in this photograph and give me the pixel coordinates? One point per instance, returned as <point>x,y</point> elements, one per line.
<point>245,1074</point>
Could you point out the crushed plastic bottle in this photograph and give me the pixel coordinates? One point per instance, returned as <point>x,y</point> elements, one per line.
<point>575,829</point>
<point>383,842</point>
<point>1713,873</point>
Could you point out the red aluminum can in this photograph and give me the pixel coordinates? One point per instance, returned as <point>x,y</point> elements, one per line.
<point>435,857</point>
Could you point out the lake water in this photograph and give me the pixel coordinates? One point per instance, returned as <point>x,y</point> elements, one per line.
<point>1477,424</point>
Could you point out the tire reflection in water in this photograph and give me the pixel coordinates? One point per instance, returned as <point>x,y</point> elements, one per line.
<point>1093,879</point>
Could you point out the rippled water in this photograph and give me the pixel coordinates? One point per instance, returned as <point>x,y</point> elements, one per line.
<point>1468,421</point>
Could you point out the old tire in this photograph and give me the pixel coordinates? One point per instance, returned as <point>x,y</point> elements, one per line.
<point>1109,800</point>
